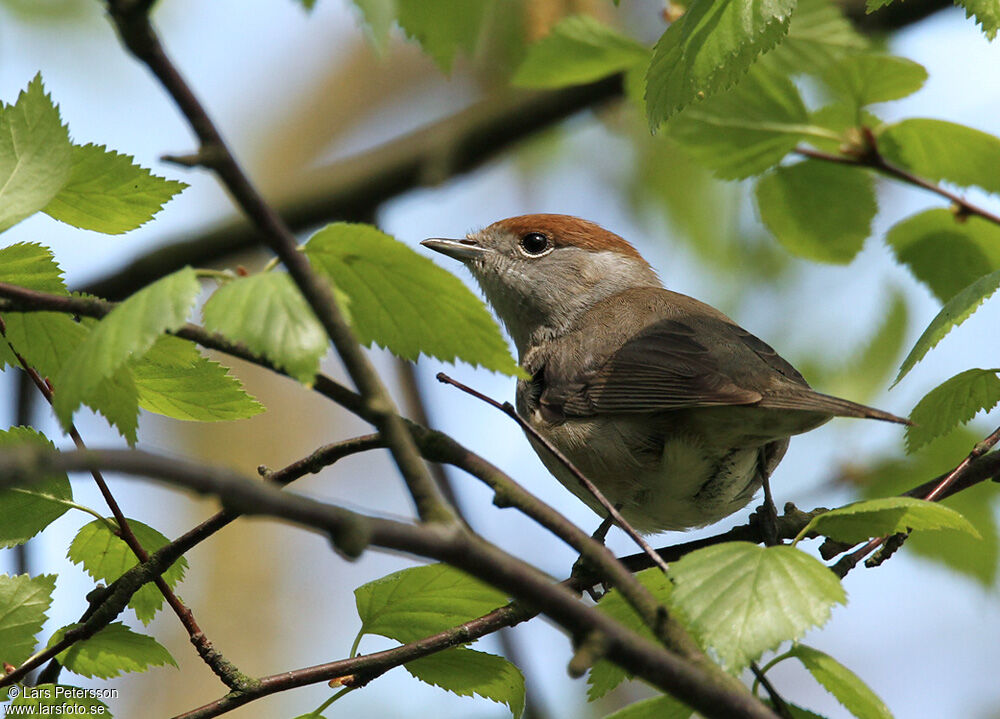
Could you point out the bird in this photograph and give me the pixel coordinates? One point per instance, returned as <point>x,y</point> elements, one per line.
<point>672,410</point>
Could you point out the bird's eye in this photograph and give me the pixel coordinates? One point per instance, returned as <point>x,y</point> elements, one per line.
<point>535,243</point>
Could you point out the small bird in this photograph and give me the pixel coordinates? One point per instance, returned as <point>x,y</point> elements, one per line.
<point>676,413</point>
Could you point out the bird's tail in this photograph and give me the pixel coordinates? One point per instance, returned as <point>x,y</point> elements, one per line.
<point>810,401</point>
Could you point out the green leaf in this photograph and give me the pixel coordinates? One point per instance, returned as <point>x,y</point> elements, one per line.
<point>127,332</point>
<point>708,49</point>
<point>30,265</point>
<point>579,49</point>
<point>444,28</point>
<point>818,210</point>
<point>986,12</point>
<point>270,316</point>
<point>746,130</point>
<point>45,339</point>
<point>112,651</point>
<point>378,16</point>
<point>175,380</point>
<point>661,707</point>
<point>952,403</point>
<point>23,603</point>
<point>404,302</point>
<point>873,5</point>
<point>417,602</point>
<point>818,36</point>
<point>944,253</point>
<point>840,681</point>
<point>24,512</point>
<point>865,79</point>
<point>883,516</point>
<point>942,151</point>
<point>958,309</point>
<point>62,701</point>
<point>105,557</point>
<point>35,155</point>
<point>109,193</point>
<point>604,675</point>
<point>742,599</point>
<point>466,672</point>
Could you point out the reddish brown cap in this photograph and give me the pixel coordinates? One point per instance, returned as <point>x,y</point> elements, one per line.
<point>566,230</point>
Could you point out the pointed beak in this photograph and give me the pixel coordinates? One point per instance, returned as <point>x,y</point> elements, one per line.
<point>461,250</point>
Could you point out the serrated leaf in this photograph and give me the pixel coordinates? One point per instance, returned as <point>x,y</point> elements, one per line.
<point>745,130</point>
<point>107,192</point>
<point>420,601</point>
<point>952,403</point>
<point>818,36</point>
<point>958,309</point>
<point>114,650</point>
<point>444,28</point>
<point>842,683</point>
<point>865,79</point>
<point>45,339</point>
<point>105,557</point>
<point>883,516</point>
<point>30,265</point>
<point>579,49</point>
<point>404,302</point>
<point>943,253</point>
<point>269,315</point>
<point>942,151</point>
<point>873,5</point>
<point>987,14</point>
<point>35,155</point>
<point>175,380</point>
<point>662,707</point>
<point>24,512</point>
<point>127,332</point>
<point>466,672</point>
<point>708,49</point>
<point>820,211</point>
<point>47,700</point>
<point>23,603</point>
<point>742,599</point>
<point>378,16</point>
<point>604,675</point>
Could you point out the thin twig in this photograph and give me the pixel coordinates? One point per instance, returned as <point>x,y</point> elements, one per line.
<point>508,409</point>
<point>780,705</point>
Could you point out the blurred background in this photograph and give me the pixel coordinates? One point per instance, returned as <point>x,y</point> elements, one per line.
<point>298,94</point>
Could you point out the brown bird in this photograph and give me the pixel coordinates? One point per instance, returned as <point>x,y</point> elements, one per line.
<point>676,413</point>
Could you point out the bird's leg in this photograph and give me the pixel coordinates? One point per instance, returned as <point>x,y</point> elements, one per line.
<point>767,512</point>
<point>580,566</point>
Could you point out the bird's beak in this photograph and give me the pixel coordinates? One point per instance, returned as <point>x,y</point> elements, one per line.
<point>461,250</point>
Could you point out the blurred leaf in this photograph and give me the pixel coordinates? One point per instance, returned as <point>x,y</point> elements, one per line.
<point>105,557</point>
<point>24,512</point>
<point>817,210</point>
<point>873,5</point>
<point>175,380</point>
<point>745,130</point>
<point>958,309</point>
<point>379,15</point>
<point>270,316</point>
<point>841,119</point>
<point>986,12</point>
<point>883,516</point>
<point>661,707</point>
<point>444,28</point>
<point>109,193</point>
<point>940,151</point>
<point>35,154</point>
<point>952,403</point>
<point>579,49</point>
<point>404,302</point>
<point>466,672</point>
<point>943,253</point>
<point>842,683</point>
<point>414,603</point>
<point>865,79</point>
<point>818,36</point>
<point>112,651</point>
<point>604,675</point>
<point>742,599</point>
<point>23,603</point>
<point>708,49</point>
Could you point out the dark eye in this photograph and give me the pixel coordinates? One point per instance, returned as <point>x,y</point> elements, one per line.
<point>535,243</point>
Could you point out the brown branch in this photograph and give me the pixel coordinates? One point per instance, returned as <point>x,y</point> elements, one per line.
<point>139,37</point>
